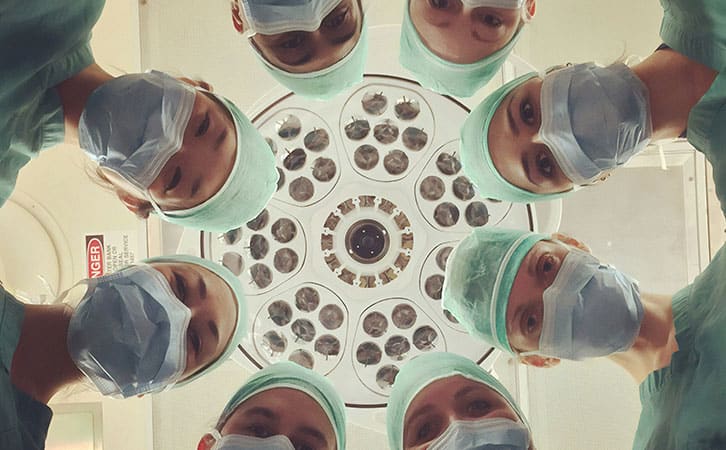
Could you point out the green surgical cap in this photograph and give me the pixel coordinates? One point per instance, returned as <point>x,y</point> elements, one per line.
<point>292,376</point>
<point>234,284</point>
<point>479,276</point>
<point>250,185</point>
<point>326,83</point>
<point>440,75</point>
<point>423,370</point>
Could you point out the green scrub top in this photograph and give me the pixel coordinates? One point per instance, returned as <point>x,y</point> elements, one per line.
<point>697,29</point>
<point>24,422</point>
<point>42,42</point>
<point>684,404</point>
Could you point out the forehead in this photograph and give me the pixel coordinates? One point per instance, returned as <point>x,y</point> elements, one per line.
<point>279,401</point>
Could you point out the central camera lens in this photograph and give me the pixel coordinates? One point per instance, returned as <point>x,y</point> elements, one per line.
<point>367,241</point>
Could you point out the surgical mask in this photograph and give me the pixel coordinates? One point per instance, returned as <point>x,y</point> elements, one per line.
<point>280,16</point>
<point>135,123</point>
<point>590,310</point>
<point>240,442</point>
<point>484,434</point>
<point>594,119</point>
<point>128,334</point>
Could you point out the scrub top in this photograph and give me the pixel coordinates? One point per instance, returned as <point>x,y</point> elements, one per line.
<point>684,404</point>
<point>42,42</point>
<point>697,29</point>
<point>24,422</point>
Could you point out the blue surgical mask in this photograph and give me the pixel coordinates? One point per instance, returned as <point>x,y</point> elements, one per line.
<point>281,16</point>
<point>128,334</point>
<point>590,310</point>
<point>135,123</point>
<point>594,119</point>
<point>241,442</point>
<point>484,434</point>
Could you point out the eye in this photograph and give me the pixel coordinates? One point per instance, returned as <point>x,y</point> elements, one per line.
<point>477,408</point>
<point>259,430</point>
<point>203,127</point>
<point>337,20</point>
<point>531,323</point>
<point>526,112</point>
<point>545,165</point>
<point>195,341</point>
<point>547,264</point>
<point>294,42</point>
<point>303,446</point>
<point>425,432</point>
<point>439,4</point>
<point>491,20</point>
<point>180,286</point>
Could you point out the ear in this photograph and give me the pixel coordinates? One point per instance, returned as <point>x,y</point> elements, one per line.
<point>530,9</point>
<point>141,208</point>
<point>571,241</point>
<point>539,361</point>
<point>206,442</point>
<point>237,21</point>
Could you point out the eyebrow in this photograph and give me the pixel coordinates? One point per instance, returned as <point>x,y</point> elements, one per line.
<point>463,391</point>
<point>315,434</point>
<point>510,117</point>
<point>195,186</point>
<point>260,411</point>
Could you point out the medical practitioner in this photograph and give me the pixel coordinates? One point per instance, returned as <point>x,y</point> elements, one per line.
<point>443,401</point>
<point>542,299</point>
<point>540,137</point>
<point>149,327</point>
<point>455,47</point>
<point>315,48</point>
<point>282,407</point>
<point>160,144</point>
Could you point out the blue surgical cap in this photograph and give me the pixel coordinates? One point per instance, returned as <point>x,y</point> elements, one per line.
<point>234,284</point>
<point>423,370</point>
<point>440,75</point>
<point>479,277</point>
<point>249,186</point>
<point>292,376</point>
<point>325,83</point>
<point>476,161</point>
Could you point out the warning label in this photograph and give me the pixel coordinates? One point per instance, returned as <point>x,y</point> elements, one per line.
<point>108,252</point>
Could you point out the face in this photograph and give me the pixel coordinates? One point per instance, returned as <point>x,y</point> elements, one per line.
<point>461,34</point>
<point>269,414</point>
<point>514,147</point>
<point>525,309</point>
<point>305,52</point>
<point>214,312</point>
<point>446,400</point>
<point>199,169</point>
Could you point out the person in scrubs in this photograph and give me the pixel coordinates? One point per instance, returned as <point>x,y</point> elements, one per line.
<point>282,407</point>
<point>542,137</point>
<point>445,401</point>
<point>316,48</point>
<point>455,47</point>
<point>542,298</point>
<point>146,328</point>
<point>161,144</point>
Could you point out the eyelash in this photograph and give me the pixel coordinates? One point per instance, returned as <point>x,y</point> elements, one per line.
<point>526,112</point>
<point>545,165</point>
<point>338,20</point>
<point>203,127</point>
<point>181,286</point>
<point>477,408</point>
<point>294,42</point>
<point>259,430</point>
<point>490,20</point>
<point>439,4</point>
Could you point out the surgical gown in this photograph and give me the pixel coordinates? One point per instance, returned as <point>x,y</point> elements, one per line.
<point>684,404</point>
<point>697,29</point>
<point>42,42</point>
<point>24,422</point>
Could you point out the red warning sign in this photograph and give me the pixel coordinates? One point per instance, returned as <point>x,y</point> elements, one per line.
<point>94,256</point>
